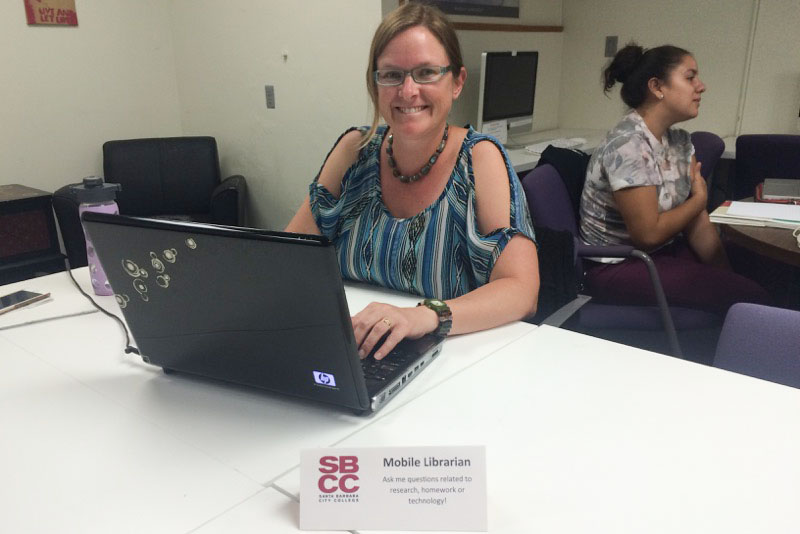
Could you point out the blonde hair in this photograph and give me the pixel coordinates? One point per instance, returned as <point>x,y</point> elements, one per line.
<point>404,17</point>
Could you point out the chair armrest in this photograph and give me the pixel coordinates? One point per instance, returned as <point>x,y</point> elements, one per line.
<point>560,316</point>
<point>624,251</point>
<point>228,201</point>
<point>603,251</point>
<point>65,205</point>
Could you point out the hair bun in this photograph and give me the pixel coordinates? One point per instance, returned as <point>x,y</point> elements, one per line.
<point>626,60</point>
<point>624,63</point>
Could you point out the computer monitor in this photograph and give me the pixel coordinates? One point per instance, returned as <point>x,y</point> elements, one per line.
<point>507,88</point>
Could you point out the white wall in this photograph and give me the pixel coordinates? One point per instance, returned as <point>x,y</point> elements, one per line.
<point>773,88</point>
<point>154,68</point>
<point>549,45</point>
<point>715,32</point>
<point>548,79</point>
<point>66,90</point>
<point>228,51</point>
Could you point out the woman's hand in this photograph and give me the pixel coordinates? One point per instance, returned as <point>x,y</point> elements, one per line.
<point>699,186</point>
<point>378,321</point>
<point>649,228</point>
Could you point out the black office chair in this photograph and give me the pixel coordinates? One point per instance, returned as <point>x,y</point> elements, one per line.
<point>761,156</point>
<point>171,177</point>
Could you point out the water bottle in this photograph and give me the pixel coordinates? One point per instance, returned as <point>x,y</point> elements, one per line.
<point>96,195</point>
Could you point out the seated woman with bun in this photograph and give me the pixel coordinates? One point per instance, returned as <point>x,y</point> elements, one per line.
<point>644,188</point>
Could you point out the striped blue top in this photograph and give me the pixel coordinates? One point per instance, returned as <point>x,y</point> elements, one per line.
<point>438,253</point>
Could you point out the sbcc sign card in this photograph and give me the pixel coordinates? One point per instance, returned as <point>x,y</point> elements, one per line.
<point>393,488</point>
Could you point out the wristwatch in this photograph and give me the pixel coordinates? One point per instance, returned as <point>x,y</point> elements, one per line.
<point>444,313</point>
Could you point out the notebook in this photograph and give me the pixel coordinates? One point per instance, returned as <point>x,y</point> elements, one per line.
<point>781,189</point>
<point>253,307</point>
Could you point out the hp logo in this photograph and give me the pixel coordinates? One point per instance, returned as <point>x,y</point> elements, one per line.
<point>324,379</point>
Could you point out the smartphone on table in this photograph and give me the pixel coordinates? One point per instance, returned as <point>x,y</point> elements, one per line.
<point>18,299</point>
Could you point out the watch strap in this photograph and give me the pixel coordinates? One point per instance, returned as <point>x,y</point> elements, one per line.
<point>443,312</point>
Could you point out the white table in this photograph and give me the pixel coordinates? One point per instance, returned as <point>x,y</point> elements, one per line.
<point>588,436</point>
<point>582,435</point>
<point>523,161</point>
<point>97,429</point>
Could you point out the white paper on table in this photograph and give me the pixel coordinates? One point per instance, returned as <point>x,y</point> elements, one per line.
<point>765,210</point>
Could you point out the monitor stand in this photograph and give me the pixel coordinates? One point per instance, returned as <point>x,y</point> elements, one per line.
<point>518,133</point>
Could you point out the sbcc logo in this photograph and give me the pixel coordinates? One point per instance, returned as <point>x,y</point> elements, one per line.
<point>330,482</point>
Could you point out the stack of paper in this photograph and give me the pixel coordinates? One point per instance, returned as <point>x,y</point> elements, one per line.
<point>757,214</point>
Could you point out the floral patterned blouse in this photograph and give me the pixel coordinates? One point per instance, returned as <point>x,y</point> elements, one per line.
<point>631,156</point>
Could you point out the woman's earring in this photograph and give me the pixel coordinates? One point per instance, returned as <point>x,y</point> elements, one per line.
<point>661,96</point>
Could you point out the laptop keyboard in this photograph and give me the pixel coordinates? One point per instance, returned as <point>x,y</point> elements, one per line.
<point>397,360</point>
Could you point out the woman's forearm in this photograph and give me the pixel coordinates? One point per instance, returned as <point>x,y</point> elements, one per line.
<point>647,227</point>
<point>511,294</point>
<point>704,241</point>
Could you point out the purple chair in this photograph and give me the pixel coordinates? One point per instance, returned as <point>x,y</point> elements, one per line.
<point>761,341</point>
<point>764,156</point>
<point>708,148</point>
<point>550,206</point>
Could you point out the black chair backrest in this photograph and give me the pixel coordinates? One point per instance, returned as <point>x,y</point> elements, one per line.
<point>761,156</point>
<point>166,175</point>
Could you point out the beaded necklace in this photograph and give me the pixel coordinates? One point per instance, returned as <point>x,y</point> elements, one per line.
<point>425,168</point>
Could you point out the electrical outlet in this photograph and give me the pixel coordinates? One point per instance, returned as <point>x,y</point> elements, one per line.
<point>270,90</point>
<point>611,46</point>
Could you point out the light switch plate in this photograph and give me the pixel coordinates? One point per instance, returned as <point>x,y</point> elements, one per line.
<point>270,90</point>
<point>611,45</point>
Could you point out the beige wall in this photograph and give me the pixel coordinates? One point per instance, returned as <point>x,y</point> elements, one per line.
<point>66,90</point>
<point>773,88</point>
<point>715,32</point>
<point>549,46</point>
<point>227,51</point>
<point>156,68</point>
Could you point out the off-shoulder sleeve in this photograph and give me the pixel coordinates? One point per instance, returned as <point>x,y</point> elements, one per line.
<point>326,208</point>
<point>484,250</point>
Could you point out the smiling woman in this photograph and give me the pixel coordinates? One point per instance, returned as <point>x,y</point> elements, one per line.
<point>419,205</point>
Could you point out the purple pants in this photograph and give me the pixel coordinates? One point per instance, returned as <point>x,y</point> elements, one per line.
<point>687,282</point>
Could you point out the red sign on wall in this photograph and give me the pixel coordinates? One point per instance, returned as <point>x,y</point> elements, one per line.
<point>56,12</point>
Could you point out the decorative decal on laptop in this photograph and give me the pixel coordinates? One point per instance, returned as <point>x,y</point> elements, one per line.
<point>157,264</point>
<point>169,255</point>
<point>324,379</point>
<point>122,300</point>
<point>141,288</point>
<point>133,269</point>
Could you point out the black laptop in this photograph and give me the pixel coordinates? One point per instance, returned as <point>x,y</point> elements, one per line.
<point>253,307</point>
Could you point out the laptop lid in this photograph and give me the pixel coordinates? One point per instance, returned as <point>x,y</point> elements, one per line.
<point>253,307</point>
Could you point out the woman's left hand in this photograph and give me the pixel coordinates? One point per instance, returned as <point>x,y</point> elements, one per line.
<point>379,321</point>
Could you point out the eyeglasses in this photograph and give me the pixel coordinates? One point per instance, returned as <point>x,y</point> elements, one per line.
<point>427,74</point>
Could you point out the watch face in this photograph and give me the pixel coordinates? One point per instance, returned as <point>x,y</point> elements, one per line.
<point>436,302</point>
